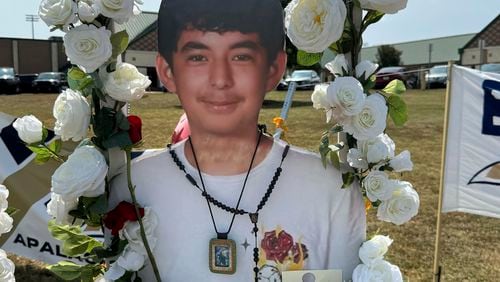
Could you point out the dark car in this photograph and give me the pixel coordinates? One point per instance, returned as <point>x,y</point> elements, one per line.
<point>437,76</point>
<point>9,83</point>
<point>495,68</point>
<point>50,82</point>
<point>304,79</point>
<point>26,82</point>
<point>387,74</point>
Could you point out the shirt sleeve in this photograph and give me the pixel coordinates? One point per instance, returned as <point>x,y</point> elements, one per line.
<point>348,231</point>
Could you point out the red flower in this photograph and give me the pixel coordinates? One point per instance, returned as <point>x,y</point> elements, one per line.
<point>116,218</point>
<point>134,131</point>
<point>276,246</point>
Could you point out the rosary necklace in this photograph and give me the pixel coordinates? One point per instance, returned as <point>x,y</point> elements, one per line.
<point>222,251</point>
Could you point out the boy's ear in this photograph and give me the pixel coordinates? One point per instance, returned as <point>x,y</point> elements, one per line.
<point>276,71</point>
<point>165,73</point>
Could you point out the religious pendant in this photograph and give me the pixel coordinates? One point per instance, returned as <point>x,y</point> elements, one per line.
<point>222,256</point>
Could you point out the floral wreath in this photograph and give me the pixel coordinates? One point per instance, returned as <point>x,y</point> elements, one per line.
<point>101,85</point>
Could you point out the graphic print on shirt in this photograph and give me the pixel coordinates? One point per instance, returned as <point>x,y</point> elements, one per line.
<point>280,252</point>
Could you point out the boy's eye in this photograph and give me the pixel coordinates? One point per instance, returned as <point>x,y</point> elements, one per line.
<point>242,58</point>
<point>197,58</point>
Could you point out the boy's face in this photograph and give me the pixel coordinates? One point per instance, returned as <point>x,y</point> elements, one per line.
<point>221,78</point>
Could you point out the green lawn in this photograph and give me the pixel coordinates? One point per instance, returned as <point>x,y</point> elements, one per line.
<point>470,245</point>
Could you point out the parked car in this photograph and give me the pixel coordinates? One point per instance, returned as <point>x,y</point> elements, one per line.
<point>50,82</point>
<point>26,82</point>
<point>305,79</point>
<point>387,74</point>
<point>9,83</point>
<point>437,76</point>
<point>283,85</point>
<point>490,68</point>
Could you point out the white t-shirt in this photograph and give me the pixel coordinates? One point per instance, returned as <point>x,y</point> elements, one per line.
<point>308,222</point>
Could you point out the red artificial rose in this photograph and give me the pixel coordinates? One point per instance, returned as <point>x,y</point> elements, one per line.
<point>276,246</point>
<point>296,251</point>
<point>116,218</point>
<point>135,130</point>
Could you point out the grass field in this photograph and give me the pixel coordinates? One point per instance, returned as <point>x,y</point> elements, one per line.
<point>470,244</point>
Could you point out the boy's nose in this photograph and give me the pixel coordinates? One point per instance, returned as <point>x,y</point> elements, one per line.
<point>221,76</point>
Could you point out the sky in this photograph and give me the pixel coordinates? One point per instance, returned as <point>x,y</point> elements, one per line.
<point>422,19</point>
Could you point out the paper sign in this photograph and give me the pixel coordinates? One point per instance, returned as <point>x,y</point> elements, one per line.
<point>330,275</point>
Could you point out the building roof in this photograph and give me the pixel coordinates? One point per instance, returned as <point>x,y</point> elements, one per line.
<point>444,49</point>
<point>489,34</point>
<point>136,25</point>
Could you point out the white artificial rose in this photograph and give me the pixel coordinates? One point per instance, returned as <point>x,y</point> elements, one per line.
<point>313,25</point>
<point>377,186</point>
<point>402,162</point>
<point>347,96</point>
<point>83,174</point>
<point>379,271</point>
<point>4,194</point>
<point>131,259</point>
<point>384,6</point>
<point>371,121</point>
<point>365,69</point>
<point>126,83</point>
<point>320,100</point>
<point>101,278</point>
<point>29,129</point>
<point>88,47</point>
<point>402,206</point>
<point>119,10</point>
<point>374,249</point>
<point>338,66</point>
<point>59,208</point>
<point>114,272</point>
<point>57,12</point>
<point>72,113</point>
<point>7,268</point>
<point>87,12</point>
<point>6,222</point>
<point>356,159</point>
<point>377,149</point>
<point>131,232</point>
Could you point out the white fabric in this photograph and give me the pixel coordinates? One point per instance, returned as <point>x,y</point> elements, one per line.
<point>471,153</point>
<point>307,203</point>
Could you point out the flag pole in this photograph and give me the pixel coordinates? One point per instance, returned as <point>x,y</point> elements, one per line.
<point>437,267</point>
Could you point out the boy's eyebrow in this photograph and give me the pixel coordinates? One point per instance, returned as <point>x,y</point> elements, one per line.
<point>248,44</point>
<point>193,45</point>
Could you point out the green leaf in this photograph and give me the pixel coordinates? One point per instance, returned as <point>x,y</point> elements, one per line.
<point>371,17</point>
<point>396,86</point>
<point>11,211</point>
<point>348,179</point>
<point>45,134</point>
<point>75,242</point>
<point>56,146</point>
<point>79,80</point>
<point>43,155</point>
<point>119,41</point>
<point>119,139</point>
<point>122,121</point>
<point>324,149</point>
<point>336,129</point>
<point>334,159</point>
<point>308,59</point>
<point>67,270</point>
<point>369,84</point>
<point>397,110</point>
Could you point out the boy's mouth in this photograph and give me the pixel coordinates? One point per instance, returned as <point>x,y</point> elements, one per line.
<point>221,107</point>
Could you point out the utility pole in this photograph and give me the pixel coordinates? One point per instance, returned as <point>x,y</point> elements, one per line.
<point>32,18</point>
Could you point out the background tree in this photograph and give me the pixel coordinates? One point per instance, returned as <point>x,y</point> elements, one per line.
<point>388,56</point>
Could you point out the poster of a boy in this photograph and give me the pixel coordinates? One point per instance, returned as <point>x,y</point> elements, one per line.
<point>277,208</point>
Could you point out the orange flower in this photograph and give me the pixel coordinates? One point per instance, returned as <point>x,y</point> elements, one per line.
<point>368,205</point>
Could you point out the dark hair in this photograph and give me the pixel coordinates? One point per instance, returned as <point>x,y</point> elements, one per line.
<point>265,17</point>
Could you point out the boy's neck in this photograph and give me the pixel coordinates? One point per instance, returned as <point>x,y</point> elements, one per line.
<point>227,155</point>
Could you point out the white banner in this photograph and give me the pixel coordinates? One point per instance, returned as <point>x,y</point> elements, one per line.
<point>472,161</point>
